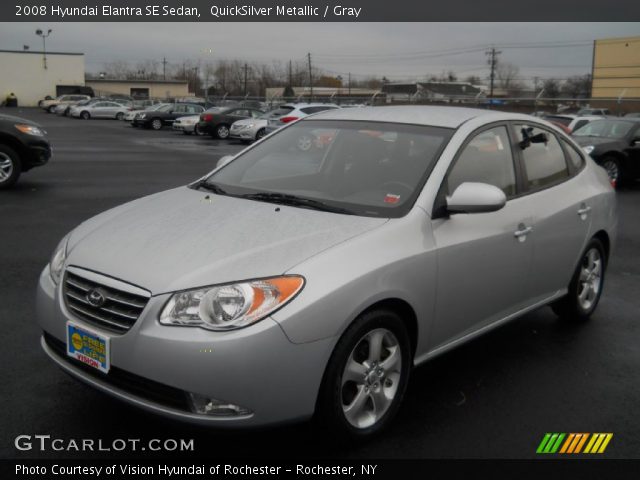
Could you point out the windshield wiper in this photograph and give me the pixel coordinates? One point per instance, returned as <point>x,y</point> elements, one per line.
<point>212,187</point>
<point>295,201</point>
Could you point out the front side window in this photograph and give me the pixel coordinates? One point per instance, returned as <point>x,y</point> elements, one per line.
<point>487,158</point>
<point>543,157</point>
<point>362,168</point>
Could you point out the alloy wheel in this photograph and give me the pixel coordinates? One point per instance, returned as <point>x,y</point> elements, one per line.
<point>6,167</point>
<point>371,378</point>
<point>223,131</point>
<point>156,124</point>
<point>590,279</point>
<point>612,170</point>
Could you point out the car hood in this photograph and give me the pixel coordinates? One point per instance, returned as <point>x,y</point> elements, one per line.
<point>185,238</point>
<point>251,121</point>
<point>13,120</point>
<point>596,141</point>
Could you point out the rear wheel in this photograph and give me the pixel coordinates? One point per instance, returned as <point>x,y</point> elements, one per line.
<point>367,375</point>
<point>222,132</point>
<point>586,285</point>
<point>51,109</point>
<point>156,124</point>
<point>119,116</point>
<point>85,115</point>
<point>10,167</point>
<point>612,166</point>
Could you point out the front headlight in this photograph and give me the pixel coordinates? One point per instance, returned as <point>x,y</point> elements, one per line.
<point>232,306</point>
<point>588,149</point>
<point>142,115</point>
<point>30,130</point>
<point>57,260</point>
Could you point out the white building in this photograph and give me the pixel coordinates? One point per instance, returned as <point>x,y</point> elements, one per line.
<point>24,74</point>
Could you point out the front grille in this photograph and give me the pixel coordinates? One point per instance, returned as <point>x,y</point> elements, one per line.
<point>117,313</point>
<point>126,381</point>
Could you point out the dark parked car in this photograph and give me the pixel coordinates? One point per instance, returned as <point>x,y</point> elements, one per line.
<point>585,112</point>
<point>165,115</point>
<point>217,121</point>
<point>23,145</point>
<point>614,144</point>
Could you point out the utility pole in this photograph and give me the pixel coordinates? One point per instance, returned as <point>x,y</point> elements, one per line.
<point>493,62</point>
<point>44,36</point>
<point>290,75</point>
<point>246,67</point>
<point>349,84</point>
<point>164,68</point>
<point>310,76</point>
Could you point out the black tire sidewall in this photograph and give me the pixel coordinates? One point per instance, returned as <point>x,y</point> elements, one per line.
<point>261,133</point>
<point>221,137</point>
<point>85,115</point>
<point>17,167</point>
<point>619,180</point>
<point>329,408</point>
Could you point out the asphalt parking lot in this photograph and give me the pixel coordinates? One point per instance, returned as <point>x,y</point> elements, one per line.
<point>494,397</point>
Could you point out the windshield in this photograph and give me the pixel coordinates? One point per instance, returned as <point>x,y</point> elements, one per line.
<point>362,168</point>
<point>604,128</point>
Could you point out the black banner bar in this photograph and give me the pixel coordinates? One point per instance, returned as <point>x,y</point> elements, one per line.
<point>316,11</point>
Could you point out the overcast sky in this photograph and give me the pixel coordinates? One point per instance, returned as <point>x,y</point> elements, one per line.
<point>396,50</point>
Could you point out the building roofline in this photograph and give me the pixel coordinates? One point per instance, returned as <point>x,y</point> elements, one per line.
<point>124,80</point>
<point>40,52</point>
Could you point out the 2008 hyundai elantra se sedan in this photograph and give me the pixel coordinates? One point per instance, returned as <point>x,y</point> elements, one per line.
<point>310,273</point>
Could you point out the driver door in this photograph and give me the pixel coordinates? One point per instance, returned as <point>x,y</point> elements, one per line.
<point>483,258</point>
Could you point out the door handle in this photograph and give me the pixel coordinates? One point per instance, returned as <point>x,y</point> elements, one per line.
<point>522,231</point>
<point>584,210</point>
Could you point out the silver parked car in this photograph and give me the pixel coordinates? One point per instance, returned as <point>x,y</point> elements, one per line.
<point>187,125</point>
<point>250,129</point>
<point>295,281</point>
<point>104,109</point>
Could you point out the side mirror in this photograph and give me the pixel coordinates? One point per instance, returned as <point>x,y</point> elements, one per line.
<point>224,160</point>
<point>471,197</point>
<point>635,142</point>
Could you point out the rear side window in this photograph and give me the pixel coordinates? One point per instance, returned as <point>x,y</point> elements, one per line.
<point>310,110</point>
<point>487,158</point>
<point>281,111</point>
<point>543,157</point>
<point>575,159</point>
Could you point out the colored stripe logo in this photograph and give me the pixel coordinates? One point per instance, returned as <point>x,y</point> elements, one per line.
<point>573,443</point>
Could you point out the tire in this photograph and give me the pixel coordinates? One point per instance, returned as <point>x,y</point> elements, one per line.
<point>222,132</point>
<point>51,109</point>
<point>85,115</point>
<point>369,386</point>
<point>10,167</point>
<point>119,116</point>
<point>156,124</point>
<point>612,167</point>
<point>586,285</point>
<point>260,133</point>
<point>186,133</point>
<point>196,130</point>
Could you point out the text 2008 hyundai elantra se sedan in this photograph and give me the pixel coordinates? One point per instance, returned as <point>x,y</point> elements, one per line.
<point>311,272</point>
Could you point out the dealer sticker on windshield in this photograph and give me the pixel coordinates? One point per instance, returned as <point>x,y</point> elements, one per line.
<point>89,347</point>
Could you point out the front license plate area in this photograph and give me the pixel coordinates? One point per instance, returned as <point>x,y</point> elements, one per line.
<point>88,347</point>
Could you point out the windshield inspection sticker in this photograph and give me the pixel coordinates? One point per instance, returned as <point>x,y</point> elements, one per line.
<point>391,198</point>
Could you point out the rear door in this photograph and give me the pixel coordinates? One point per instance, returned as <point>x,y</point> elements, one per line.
<point>483,258</point>
<point>560,206</point>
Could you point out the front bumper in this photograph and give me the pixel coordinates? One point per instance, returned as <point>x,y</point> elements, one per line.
<point>181,127</point>
<point>36,152</point>
<point>257,367</point>
<point>244,134</point>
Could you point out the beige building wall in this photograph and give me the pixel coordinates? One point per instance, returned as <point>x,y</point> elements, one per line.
<point>23,73</point>
<point>616,68</point>
<point>156,89</point>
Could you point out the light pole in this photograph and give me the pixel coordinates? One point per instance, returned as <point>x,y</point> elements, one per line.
<point>44,36</point>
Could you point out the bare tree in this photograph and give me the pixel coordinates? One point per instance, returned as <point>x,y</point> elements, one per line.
<point>577,86</point>
<point>551,88</point>
<point>507,77</point>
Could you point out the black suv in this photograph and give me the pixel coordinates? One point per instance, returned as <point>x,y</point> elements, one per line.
<point>23,145</point>
<point>165,115</point>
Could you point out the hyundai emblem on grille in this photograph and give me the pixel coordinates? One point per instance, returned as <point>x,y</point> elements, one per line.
<point>95,298</point>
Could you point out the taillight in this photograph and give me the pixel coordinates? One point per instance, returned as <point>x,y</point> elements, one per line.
<point>613,182</point>
<point>207,117</point>
<point>288,119</point>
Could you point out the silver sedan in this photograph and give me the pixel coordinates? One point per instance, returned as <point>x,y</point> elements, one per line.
<point>104,109</point>
<point>298,281</point>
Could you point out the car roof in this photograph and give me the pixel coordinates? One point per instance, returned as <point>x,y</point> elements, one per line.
<point>448,117</point>
<point>303,105</point>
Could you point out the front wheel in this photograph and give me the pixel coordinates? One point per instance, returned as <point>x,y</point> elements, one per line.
<point>10,167</point>
<point>52,109</point>
<point>586,285</point>
<point>367,375</point>
<point>119,116</point>
<point>85,115</point>
<point>261,133</point>
<point>156,124</point>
